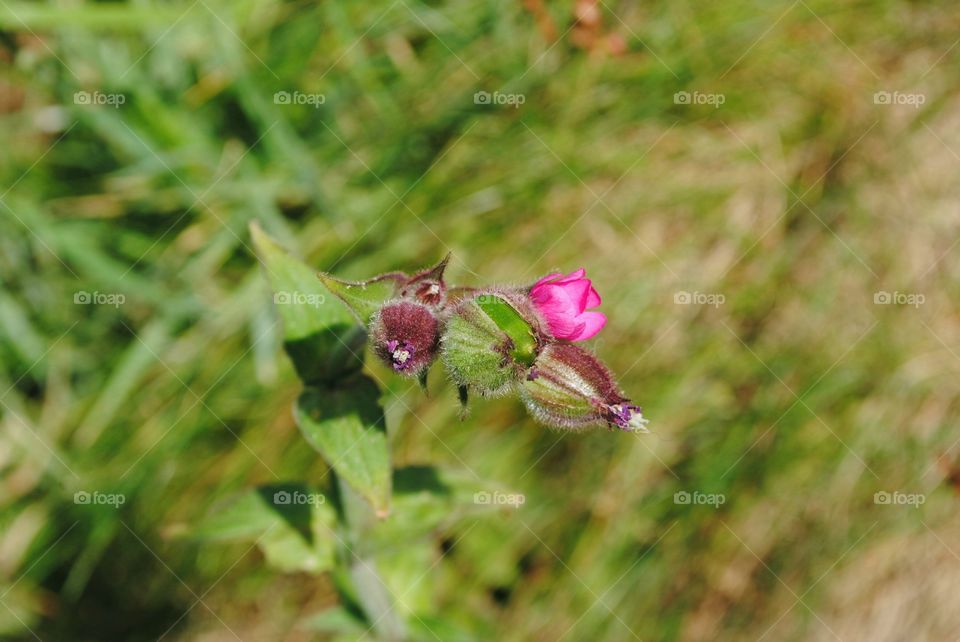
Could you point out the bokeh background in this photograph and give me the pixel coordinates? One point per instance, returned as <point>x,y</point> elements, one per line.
<point>765,194</point>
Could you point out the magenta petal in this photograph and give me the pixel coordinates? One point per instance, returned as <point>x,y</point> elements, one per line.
<point>593,298</point>
<point>557,310</point>
<point>593,322</point>
<point>578,292</point>
<point>563,327</point>
<point>574,334</point>
<point>562,301</point>
<point>573,276</point>
<point>547,279</point>
<point>550,299</point>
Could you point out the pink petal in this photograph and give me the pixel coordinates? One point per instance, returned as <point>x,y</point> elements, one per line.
<point>593,298</point>
<point>564,327</point>
<point>553,300</point>
<point>574,334</point>
<point>555,305</point>
<point>547,279</point>
<point>578,292</point>
<point>550,299</point>
<point>573,276</point>
<point>593,322</point>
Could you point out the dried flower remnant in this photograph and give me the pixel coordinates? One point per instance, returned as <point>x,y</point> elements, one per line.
<point>405,335</point>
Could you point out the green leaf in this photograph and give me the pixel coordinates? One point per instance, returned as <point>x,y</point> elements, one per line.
<point>291,523</point>
<point>410,575</point>
<point>364,298</point>
<point>346,425</point>
<point>378,603</point>
<point>428,498</point>
<point>289,552</point>
<point>337,619</point>
<point>321,335</point>
<point>515,326</point>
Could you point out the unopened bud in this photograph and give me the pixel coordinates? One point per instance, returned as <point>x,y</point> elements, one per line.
<point>405,335</point>
<point>568,387</point>
<point>427,287</point>
<point>488,344</point>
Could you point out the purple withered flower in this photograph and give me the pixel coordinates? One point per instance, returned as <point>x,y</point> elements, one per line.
<point>406,336</point>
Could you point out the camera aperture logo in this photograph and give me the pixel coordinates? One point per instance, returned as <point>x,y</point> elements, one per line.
<point>99,99</point>
<point>96,498</point>
<point>699,298</point>
<point>915,299</point>
<point>896,498</point>
<point>899,98</point>
<point>499,98</point>
<point>115,299</point>
<point>298,498</point>
<point>299,98</point>
<point>696,498</point>
<point>285,297</point>
<point>699,98</point>
<point>484,498</point>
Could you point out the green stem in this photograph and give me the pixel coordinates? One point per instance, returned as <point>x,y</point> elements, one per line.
<point>376,600</point>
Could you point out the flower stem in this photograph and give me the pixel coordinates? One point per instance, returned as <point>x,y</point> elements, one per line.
<point>376,600</point>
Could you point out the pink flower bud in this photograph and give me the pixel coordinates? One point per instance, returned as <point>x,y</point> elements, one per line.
<point>563,302</point>
<point>405,335</point>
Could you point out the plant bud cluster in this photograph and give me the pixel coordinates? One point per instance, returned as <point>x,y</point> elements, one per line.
<point>497,341</point>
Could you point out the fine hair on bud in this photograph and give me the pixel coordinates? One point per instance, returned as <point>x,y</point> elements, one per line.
<point>405,335</point>
<point>570,388</point>
<point>427,286</point>
<point>489,343</point>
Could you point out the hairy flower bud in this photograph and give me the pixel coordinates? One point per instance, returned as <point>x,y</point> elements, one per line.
<point>405,335</point>
<point>568,387</point>
<point>487,344</point>
<point>428,287</point>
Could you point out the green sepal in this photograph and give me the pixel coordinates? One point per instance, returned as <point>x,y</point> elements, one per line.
<point>515,326</point>
<point>475,351</point>
<point>364,298</point>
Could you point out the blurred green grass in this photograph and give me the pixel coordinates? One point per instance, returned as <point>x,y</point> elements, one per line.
<point>798,398</point>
